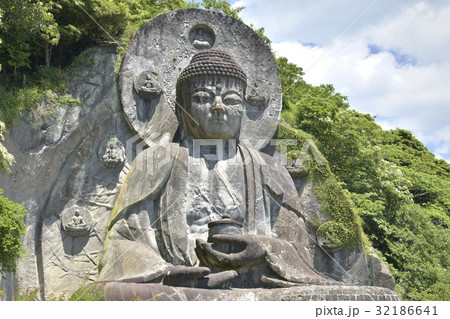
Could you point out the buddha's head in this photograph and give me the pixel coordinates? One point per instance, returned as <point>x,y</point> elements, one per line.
<point>210,95</point>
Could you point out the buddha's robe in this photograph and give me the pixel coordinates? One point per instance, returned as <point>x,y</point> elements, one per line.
<point>153,224</point>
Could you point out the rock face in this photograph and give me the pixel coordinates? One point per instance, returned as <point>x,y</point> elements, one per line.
<point>68,170</point>
<point>380,272</point>
<point>71,165</point>
<point>348,265</point>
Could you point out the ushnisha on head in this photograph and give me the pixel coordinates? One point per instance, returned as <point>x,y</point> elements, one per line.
<point>211,90</point>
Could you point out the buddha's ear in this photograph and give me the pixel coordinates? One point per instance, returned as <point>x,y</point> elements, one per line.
<point>182,100</point>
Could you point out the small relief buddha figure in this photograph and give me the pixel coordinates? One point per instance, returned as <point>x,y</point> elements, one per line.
<point>77,227</point>
<point>113,153</point>
<point>77,221</point>
<point>217,213</point>
<point>147,85</point>
<point>256,95</point>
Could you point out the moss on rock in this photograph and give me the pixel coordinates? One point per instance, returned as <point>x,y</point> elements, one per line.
<point>343,229</point>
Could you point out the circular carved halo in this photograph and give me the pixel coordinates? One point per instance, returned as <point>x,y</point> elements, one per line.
<point>165,46</point>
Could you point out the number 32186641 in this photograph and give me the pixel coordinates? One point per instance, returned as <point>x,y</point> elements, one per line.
<point>406,310</point>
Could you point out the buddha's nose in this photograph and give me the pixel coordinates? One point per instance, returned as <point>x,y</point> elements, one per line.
<point>218,105</point>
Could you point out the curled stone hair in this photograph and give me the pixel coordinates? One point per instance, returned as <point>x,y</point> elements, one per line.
<point>213,63</point>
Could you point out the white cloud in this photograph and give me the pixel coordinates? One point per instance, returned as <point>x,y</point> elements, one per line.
<point>312,21</point>
<point>421,30</point>
<point>394,63</point>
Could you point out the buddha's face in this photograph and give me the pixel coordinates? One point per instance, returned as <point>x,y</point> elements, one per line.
<point>216,107</point>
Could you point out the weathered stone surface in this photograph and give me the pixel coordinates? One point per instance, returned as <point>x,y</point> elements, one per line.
<point>57,168</point>
<point>83,180</point>
<point>130,291</point>
<point>348,265</point>
<point>111,152</point>
<point>380,272</point>
<point>165,45</point>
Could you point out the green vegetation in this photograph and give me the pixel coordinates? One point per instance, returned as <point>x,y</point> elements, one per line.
<point>27,27</point>
<point>6,159</point>
<point>400,190</point>
<point>344,228</point>
<point>23,93</point>
<point>86,292</point>
<point>12,229</point>
<point>38,39</point>
<point>36,32</point>
<point>384,186</point>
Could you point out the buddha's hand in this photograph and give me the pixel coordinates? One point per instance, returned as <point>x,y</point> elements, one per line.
<point>246,250</point>
<point>198,277</point>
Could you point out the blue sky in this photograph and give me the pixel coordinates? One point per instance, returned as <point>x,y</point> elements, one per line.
<point>390,58</point>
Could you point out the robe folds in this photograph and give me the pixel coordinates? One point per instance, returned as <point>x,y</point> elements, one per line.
<point>148,229</point>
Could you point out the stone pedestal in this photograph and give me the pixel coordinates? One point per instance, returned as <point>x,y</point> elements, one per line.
<point>130,291</point>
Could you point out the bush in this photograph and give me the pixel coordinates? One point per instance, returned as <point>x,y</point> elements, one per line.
<point>86,292</point>
<point>12,229</point>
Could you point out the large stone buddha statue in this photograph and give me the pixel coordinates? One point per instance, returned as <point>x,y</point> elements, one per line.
<point>208,212</point>
<point>204,208</point>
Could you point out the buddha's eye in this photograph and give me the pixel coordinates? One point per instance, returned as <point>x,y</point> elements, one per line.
<point>201,97</point>
<point>232,99</point>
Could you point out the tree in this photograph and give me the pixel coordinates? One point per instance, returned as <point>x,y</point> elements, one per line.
<point>26,26</point>
<point>291,80</point>
<point>12,229</point>
<point>222,6</point>
<point>401,191</point>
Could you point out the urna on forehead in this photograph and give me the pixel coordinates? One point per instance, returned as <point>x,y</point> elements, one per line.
<point>211,67</point>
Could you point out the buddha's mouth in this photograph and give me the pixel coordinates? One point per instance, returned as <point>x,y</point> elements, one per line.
<point>218,118</point>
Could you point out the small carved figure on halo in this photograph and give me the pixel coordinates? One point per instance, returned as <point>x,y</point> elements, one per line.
<point>147,85</point>
<point>200,40</point>
<point>113,155</point>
